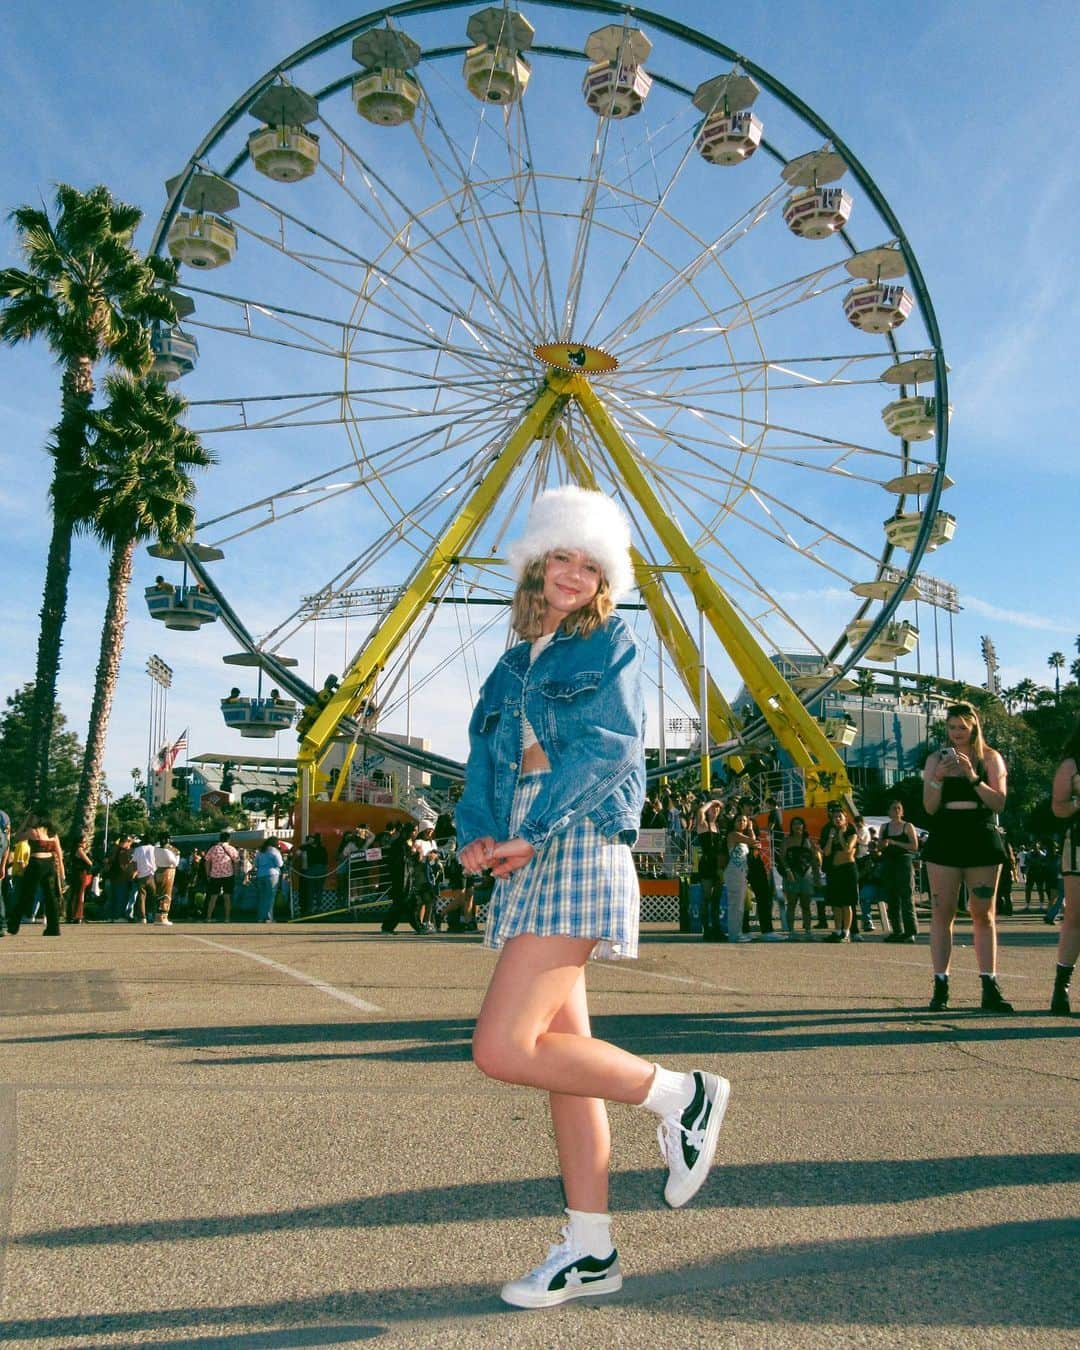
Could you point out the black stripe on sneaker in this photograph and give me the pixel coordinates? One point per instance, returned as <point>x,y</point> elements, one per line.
<point>587,1268</point>
<point>695,1117</point>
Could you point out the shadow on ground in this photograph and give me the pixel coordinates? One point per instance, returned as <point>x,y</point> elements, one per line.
<point>755,1283</point>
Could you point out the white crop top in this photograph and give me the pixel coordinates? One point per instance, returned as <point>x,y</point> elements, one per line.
<point>528,736</point>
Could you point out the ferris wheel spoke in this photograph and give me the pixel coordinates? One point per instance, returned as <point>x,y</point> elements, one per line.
<point>412,296</point>
<point>707,255</point>
<point>483,236</point>
<point>656,212</point>
<point>398,236</point>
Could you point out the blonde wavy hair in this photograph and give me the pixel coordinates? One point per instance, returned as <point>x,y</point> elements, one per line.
<point>528,606</point>
<point>964,712</point>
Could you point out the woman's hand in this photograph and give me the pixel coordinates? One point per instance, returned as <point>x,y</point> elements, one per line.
<point>965,766</point>
<point>508,856</point>
<point>476,857</point>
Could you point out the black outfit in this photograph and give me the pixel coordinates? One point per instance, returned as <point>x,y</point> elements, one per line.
<point>402,902</point>
<point>760,882</point>
<point>710,843</point>
<point>40,872</point>
<point>964,838</point>
<point>841,881</point>
<point>898,883</point>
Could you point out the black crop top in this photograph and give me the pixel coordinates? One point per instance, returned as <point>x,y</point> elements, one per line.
<point>959,789</point>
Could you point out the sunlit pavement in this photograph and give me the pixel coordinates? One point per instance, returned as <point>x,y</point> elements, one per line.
<point>273,1136</point>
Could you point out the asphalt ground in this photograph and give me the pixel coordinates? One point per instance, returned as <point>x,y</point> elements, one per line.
<point>244,1137</point>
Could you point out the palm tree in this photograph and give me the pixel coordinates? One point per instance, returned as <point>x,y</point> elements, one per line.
<point>1009,698</point>
<point>90,296</point>
<point>1074,670</point>
<point>1026,690</point>
<point>1056,662</point>
<point>139,459</point>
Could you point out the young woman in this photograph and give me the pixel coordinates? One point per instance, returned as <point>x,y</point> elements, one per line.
<point>1065,803</point>
<point>964,786</point>
<point>44,870</point>
<point>800,865</point>
<point>84,875</point>
<point>740,840</point>
<point>553,794</point>
<point>899,844</point>
<point>839,839</point>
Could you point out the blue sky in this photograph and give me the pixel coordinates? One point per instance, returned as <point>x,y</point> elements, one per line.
<point>967,115</point>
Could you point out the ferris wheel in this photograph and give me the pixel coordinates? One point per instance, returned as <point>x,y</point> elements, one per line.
<point>440,259</point>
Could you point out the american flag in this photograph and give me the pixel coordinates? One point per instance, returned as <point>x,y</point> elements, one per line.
<point>169,753</point>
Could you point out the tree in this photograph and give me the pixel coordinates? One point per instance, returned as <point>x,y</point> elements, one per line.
<point>1026,690</point>
<point>1056,662</point>
<point>91,297</point>
<point>1074,670</point>
<point>138,459</point>
<point>65,756</point>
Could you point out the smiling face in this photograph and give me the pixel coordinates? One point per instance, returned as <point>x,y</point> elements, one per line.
<point>571,581</point>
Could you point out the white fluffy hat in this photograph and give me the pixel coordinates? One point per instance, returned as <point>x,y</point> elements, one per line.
<point>573,517</point>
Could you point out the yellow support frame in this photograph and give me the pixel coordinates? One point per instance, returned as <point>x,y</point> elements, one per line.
<point>824,771</point>
<point>796,730</point>
<point>360,677</point>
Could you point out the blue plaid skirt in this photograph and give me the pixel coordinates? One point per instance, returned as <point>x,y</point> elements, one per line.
<point>578,884</point>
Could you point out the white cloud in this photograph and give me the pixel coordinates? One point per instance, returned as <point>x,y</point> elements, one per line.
<point>1020,618</point>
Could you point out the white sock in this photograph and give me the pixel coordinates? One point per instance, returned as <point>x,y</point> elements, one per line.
<point>669,1092</point>
<point>591,1233</point>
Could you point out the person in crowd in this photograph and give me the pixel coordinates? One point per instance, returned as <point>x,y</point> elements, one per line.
<point>44,869</point>
<point>6,888</point>
<point>268,865</point>
<point>800,866</point>
<point>838,842</point>
<point>145,863</point>
<point>315,864</point>
<point>221,863</point>
<point>426,880</point>
<point>460,907</point>
<point>1065,804</point>
<point>119,875</point>
<point>83,876</point>
<point>1054,880</point>
<point>164,587</point>
<point>233,695</point>
<point>862,920</point>
<point>166,859</point>
<point>710,845</point>
<point>1035,876</point>
<point>553,794</point>
<point>964,787</point>
<point>899,845</point>
<point>760,880</point>
<point>397,853</point>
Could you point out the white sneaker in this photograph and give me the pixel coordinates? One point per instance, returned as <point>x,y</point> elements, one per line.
<point>165,923</point>
<point>567,1273</point>
<point>688,1140</point>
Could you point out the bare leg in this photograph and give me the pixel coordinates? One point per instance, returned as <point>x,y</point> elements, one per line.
<point>1069,942</point>
<point>582,1132</point>
<point>513,1041</point>
<point>944,893</point>
<point>982,888</point>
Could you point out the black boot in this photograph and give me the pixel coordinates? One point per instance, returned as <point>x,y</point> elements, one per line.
<point>939,1000</point>
<point>1059,1004</point>
<point>992,1000</point>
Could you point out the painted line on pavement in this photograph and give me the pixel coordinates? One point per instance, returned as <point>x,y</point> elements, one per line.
<point>321,985</point>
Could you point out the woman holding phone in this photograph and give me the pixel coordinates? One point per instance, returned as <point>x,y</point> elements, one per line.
<point>964,787</point>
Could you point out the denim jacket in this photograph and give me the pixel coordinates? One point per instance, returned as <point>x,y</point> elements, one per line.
<point>583,698</point>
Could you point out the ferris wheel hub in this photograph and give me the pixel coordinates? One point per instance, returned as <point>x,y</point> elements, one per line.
<point>575,358</point>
